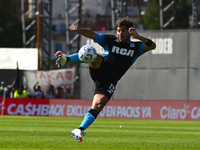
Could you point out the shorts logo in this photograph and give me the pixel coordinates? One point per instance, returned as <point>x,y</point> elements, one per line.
<point>111,88</point>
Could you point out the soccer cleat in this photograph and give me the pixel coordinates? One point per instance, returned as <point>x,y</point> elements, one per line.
<point>77,134</point>
<point>61,59</point>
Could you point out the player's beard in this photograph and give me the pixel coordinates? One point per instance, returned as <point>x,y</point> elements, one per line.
<point>124,39</point>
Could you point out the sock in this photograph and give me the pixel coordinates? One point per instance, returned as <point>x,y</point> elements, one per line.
<point>88,119</point>
<point>74,58</point>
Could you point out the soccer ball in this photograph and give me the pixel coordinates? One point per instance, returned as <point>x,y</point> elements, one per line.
<point>87,54</point>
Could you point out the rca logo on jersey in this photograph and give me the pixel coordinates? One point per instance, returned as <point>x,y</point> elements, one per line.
<point>122,51</point>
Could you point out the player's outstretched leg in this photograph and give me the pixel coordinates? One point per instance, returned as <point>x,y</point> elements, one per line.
<point>87,54</point>
<point>62,59</point>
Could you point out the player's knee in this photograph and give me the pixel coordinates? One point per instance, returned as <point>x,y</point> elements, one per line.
<point>99,102</point>
<point>98,107</point>
<point>96,64</point>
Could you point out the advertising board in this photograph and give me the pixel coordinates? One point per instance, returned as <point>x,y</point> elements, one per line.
<point>156,110</point>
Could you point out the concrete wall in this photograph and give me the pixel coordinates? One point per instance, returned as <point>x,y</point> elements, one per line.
<point>170,72</point>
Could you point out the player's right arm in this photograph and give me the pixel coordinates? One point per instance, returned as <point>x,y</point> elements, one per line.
<point>83,31</point>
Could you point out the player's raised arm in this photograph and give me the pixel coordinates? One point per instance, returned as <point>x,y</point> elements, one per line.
<point>149,44</point>
<point>83,31</point>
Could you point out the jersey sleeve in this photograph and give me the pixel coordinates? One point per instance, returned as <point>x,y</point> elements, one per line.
<point>100,39</point>
<point>141,49</point>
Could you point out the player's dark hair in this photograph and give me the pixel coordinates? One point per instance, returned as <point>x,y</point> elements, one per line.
<point>126,21</point>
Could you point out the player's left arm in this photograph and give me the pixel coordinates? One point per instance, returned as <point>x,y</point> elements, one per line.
<point>148,44</point>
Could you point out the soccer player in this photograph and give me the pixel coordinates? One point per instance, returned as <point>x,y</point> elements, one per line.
<point>119,54</point>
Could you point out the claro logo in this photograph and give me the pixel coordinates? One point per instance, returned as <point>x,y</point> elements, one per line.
<point>167,112</point>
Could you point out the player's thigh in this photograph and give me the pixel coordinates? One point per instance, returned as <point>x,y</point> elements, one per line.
<point>96,64</point>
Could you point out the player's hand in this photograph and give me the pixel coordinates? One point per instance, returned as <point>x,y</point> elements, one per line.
<point>60,59</point>
<point>133,33</point>
<point>74,28</point>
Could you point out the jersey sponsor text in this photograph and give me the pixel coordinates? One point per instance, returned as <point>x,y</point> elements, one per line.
<point>122,51</point>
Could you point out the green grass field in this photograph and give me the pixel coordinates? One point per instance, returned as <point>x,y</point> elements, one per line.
<point>20,132</point>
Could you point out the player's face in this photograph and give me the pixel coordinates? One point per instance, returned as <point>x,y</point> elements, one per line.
<point>123,34</point>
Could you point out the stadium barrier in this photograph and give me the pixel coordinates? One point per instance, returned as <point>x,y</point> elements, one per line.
<point>170,72</point>
<point>154,109</point>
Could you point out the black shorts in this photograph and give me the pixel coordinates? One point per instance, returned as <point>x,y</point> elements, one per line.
<point>104,80</point>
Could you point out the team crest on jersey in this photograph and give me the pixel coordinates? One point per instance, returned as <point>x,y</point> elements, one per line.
<point>122,51</point>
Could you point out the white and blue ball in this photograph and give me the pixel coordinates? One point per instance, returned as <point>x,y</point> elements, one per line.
<point>87,54</point>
